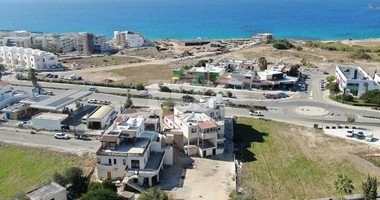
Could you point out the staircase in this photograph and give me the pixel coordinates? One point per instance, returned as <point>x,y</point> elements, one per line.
<point>134,185</point>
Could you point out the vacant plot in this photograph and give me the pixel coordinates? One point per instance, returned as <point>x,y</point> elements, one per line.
<point>146,74</point>
<point>103,60</point>
<point>284,161</point>
<point>24,168</point>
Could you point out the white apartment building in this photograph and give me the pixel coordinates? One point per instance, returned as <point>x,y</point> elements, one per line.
<point>133,151</point>
<point>130,39</point>
<point>355,80</point>
<point>201,127</point>
<point>25,58</point>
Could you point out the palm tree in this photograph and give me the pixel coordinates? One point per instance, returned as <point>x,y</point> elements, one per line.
<point>32,77</point>
<point>2,69</point>
<point>351,118</point>
<point>263,63</point>
<point>370,188</point>
<point>343,185</point>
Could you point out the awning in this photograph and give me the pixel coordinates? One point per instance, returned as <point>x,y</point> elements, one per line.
<point>175,78</point>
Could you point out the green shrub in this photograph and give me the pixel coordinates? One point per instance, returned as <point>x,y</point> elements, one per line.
<point>360,56</point>
<point>164,89</point>
<point>229,94</point>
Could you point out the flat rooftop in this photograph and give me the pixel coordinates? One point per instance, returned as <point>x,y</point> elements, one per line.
<point>137,146</point>
<point>347,70</point>
<point>15,108</point>
<point>154,160</point>
<point>52,116</point>
<point>56,102</point>
<point>100,112</point>
<point>45,191</point>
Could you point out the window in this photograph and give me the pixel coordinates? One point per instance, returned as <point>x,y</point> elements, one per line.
<point>193,130</point>
<point>218,129</point>
<point>98,160</point>
<point>109,161</point>
<point>124,162</point>
<point>114,161</point>
<point>135,164</point>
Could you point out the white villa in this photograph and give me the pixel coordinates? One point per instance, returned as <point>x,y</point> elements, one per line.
<point>25,58</point>
<point>133,151</point>
<point>198,129</point>
<point>355,80</point>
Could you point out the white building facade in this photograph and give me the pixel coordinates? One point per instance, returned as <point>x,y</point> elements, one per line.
<point>25,58</point>
<point>130,39</point>
<point>355,80</point>
<point>132,154</point>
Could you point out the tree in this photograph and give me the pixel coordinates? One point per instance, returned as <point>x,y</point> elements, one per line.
<point>153,194</point>
<point>330,79</point>
<point>20,196</point>
<point>351,118</point>
<point>140,86</point>
<point>58,178</point>
<point>165,89</point>
<point>107,184</point>
<point>201,63</point>
<point>263,63</point>
<point>343,185</point>
<point>79,185</point>
<point>94,186</point>
<point>229,94</point>
<point>371,96</point>
<point>36,46</point>
<point>294,70</point>
<point>101,194</point>
<point>2,69</point>
<point>32,76</point>
<point>128,103</point>
<point>370,188</point>
<point>71,173</point>
<point>333,87</point>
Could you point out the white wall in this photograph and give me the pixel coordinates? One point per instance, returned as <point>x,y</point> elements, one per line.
<point>49,124</point>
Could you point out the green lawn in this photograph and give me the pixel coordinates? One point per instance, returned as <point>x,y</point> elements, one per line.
<point>24,168</point>
<point>280,162</point>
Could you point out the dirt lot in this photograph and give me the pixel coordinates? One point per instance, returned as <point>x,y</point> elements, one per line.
<point>296,162</point>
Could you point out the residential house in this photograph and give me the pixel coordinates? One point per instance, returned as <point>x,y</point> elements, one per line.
<point>198,129</point>
<point>133,151</point>
<point>130,39</point>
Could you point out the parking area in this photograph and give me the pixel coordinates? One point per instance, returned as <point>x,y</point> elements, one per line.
<point>360,135</point>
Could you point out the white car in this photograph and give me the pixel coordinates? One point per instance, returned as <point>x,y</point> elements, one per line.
<point>369,137</point>
<point>91,101</point>
<point>61,136</point>
<point>145,93</point>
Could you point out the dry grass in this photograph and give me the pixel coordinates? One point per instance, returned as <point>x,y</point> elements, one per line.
<point>25,168</point>
<point>103,60</point>
<point>147,74</point>
<point>284,161</point>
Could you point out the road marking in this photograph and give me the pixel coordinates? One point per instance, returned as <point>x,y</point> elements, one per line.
<point>311,95</point>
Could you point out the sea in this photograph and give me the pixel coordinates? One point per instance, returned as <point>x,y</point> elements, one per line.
<point>192,19</point>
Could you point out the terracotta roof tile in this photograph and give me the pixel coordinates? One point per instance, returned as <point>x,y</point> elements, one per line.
<point>207,124</point>
<point>3,83</point>
<point>109,138</point>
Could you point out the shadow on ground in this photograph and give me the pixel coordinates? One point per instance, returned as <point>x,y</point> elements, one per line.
<point>245,136</point>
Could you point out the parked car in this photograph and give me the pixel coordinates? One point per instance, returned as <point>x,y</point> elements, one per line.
<point>145,93</point>
<point>79,78</point>
<point>325,73</point>
<point>188,98</point>
<point>93,89</point>
<point>61,136</point>
<point>55,76</point>
<point>227,101</point>
<point>303,88</point>
<point>256,113</point>
<point>327,127</point>
<point>65,127</point>
<point>369,137</point>
<point>47,75</point>
<point>354,127</point>
<point>360,136</point>
<point>333,127</point>
<point>91,101</point>
<point>282,95</point>
<point>270,96</point>
<point>350,133</point>
<point>62,77</point>
<point>346,127</point>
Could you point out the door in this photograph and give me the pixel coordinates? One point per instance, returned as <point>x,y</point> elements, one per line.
<point>109,175</point>
<point>213,151</point>
<point>204,153</point>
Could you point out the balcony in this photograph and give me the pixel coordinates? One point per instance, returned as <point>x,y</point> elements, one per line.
<point>152,168</point>
<point>208,135</point>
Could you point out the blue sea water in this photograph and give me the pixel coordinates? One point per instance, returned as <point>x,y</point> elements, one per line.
<point>189,19</point>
